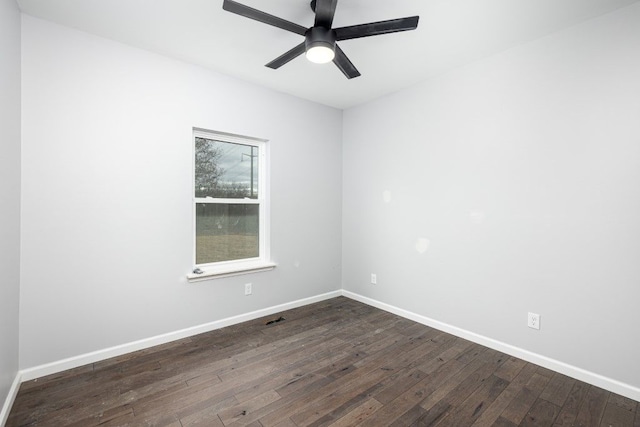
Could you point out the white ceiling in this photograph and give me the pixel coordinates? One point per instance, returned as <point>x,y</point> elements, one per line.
<point>451,33</point>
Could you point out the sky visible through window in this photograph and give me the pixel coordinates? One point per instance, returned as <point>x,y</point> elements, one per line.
<point>225,169</point>
<point>236,161</point>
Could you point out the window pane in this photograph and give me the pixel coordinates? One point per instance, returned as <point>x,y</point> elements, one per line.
<point>226,232</point>
<point>225,170</point>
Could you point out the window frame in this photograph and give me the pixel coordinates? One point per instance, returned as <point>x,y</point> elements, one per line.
<point>246,265</point>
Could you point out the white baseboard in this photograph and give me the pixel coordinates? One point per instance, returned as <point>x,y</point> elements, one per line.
<point>598,380</point>
<point>11,397</point>
<point>96,356</point>
<point>84,359</point>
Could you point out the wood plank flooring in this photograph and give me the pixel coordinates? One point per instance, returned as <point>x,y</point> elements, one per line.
<point>334,363</point>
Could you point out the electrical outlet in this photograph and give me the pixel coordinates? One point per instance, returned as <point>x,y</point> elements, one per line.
<point>374,279</point>
<point>247,289</point>
<point>533,320</point>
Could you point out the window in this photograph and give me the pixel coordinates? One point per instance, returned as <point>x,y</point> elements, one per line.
<point>230,205</point>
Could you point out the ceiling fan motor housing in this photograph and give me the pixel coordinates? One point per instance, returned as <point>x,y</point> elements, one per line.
<point>320,36</point>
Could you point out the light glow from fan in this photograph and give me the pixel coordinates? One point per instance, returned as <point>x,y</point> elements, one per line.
<point>320,54</point>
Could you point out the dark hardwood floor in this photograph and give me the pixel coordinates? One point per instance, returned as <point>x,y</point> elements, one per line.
<point>337,363</point>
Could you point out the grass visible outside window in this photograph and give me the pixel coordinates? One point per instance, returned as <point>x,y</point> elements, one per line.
<point>226,232</point>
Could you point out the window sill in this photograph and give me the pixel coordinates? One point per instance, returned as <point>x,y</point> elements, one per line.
<point>229,271</point>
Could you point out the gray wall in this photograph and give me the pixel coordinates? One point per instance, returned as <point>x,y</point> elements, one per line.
<point>107,203</point>
<point>521,174</point>
<point>9,192</point>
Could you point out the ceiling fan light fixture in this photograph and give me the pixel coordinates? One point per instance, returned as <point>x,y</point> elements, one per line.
<point>320,54</point>
<point>320,45</point>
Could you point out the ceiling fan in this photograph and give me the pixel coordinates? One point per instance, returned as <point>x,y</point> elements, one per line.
<point>319,43</point>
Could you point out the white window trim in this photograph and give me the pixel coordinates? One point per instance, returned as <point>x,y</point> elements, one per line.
<point>244,266</point>
<point>236,270</point>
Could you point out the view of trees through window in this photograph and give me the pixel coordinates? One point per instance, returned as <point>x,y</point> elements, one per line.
<point>225,170</point>
<point>226,197</point>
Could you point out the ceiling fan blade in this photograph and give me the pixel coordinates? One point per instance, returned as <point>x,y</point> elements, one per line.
<point>344,64</point>
<point>286,57</point>
<point>377,28</point>
<point>325,10</point>
<point>251,13</point>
